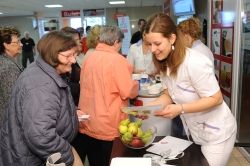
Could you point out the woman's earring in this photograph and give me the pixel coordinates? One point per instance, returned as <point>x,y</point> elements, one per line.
<point>172,47</point>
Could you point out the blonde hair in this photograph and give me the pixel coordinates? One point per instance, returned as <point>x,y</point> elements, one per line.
<point>93,36</point>
<point>191,27</point>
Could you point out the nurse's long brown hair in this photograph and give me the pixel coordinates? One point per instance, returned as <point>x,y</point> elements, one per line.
<point>161,23</point>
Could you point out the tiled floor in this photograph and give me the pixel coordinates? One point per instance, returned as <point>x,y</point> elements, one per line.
<point>237,159</point>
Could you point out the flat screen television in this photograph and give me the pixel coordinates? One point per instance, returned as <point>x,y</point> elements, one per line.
<point>183,7</point>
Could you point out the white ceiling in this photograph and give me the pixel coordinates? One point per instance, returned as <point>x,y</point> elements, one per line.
<point>29,7</point>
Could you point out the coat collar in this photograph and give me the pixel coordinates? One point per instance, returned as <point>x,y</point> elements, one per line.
<point>51,71</point>
<point>13,60</point>
<point>105,47</point>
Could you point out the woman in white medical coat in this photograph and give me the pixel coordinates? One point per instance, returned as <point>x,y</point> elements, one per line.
<point>192,91</point>
<point>191,33</point>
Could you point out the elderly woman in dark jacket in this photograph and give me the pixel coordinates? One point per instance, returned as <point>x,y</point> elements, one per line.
<point>10,48</point>
<point>41,118</point>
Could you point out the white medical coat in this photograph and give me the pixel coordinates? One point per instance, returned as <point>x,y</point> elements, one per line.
<point>195,79</point>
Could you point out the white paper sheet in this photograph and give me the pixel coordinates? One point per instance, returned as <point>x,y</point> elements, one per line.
<point>130,161</point>
<point>175,145</point>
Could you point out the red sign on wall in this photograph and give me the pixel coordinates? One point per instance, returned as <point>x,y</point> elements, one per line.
<point>71,13</point>
<point>116,15</point>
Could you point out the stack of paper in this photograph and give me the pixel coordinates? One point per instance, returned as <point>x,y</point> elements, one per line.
<point>170,144</point>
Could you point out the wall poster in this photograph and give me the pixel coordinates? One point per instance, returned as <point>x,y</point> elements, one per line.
<point>217,6</point>
<point>216,34</point>
<point>222,35</point>
<point>124,25</point>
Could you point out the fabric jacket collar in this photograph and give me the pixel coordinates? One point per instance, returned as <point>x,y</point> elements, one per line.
<point>105,47</point>
<point>51,72</point>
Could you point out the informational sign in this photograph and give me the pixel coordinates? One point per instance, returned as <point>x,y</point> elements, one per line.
<point>51,25</point>
<point>124,25</point>
<point>116,15</point>
<point>93,12</point>
<point>71,13</point>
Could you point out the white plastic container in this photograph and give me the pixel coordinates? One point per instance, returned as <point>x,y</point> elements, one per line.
<point>136,77</point>
<point>144,82</point>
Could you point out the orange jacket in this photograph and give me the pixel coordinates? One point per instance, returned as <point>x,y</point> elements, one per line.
<point>106,84</point>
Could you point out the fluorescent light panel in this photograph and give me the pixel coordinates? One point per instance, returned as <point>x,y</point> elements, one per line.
<point>53,6</point>
<point>116,2</point>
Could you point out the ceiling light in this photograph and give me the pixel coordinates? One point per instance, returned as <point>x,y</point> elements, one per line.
<point>1,13</point>
<point>53,6</point>
<point>116,2</point>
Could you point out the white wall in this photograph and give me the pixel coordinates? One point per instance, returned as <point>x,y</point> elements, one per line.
<point>23,24</point>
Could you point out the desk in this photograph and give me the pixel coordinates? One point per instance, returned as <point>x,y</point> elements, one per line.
<point>192,157</point>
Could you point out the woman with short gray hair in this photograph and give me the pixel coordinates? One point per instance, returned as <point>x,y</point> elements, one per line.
<point>110,34</point>
<point>106,85</point>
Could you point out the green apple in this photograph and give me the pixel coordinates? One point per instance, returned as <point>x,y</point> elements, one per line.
<point>123,129</point>
<point>139,133</point>
<point>124,140</point>
<point>133,129</point>
<point>125,122</point>
<point>146,139</point>
<point>132,124</point>
<point>148,132</point>
<point>147,136</point>
<point>138,122</point>
<point>127,137</point>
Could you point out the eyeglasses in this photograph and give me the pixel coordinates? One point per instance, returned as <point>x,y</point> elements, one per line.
<point>73,55</point>
<point>16,42</point>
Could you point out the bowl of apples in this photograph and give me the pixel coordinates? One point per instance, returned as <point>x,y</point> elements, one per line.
<point>134,134</point>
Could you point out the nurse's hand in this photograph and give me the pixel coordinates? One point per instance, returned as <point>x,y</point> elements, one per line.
<point>170,111</point>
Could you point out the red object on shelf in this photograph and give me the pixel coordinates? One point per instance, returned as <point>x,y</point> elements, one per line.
<point>138,102</point>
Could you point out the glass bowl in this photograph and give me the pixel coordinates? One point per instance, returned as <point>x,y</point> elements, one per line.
<point>135,134</point>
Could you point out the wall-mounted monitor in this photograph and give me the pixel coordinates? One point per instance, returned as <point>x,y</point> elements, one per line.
<point>183,7</point>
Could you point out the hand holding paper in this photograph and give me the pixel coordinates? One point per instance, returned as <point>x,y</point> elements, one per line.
<point>170,111</point>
